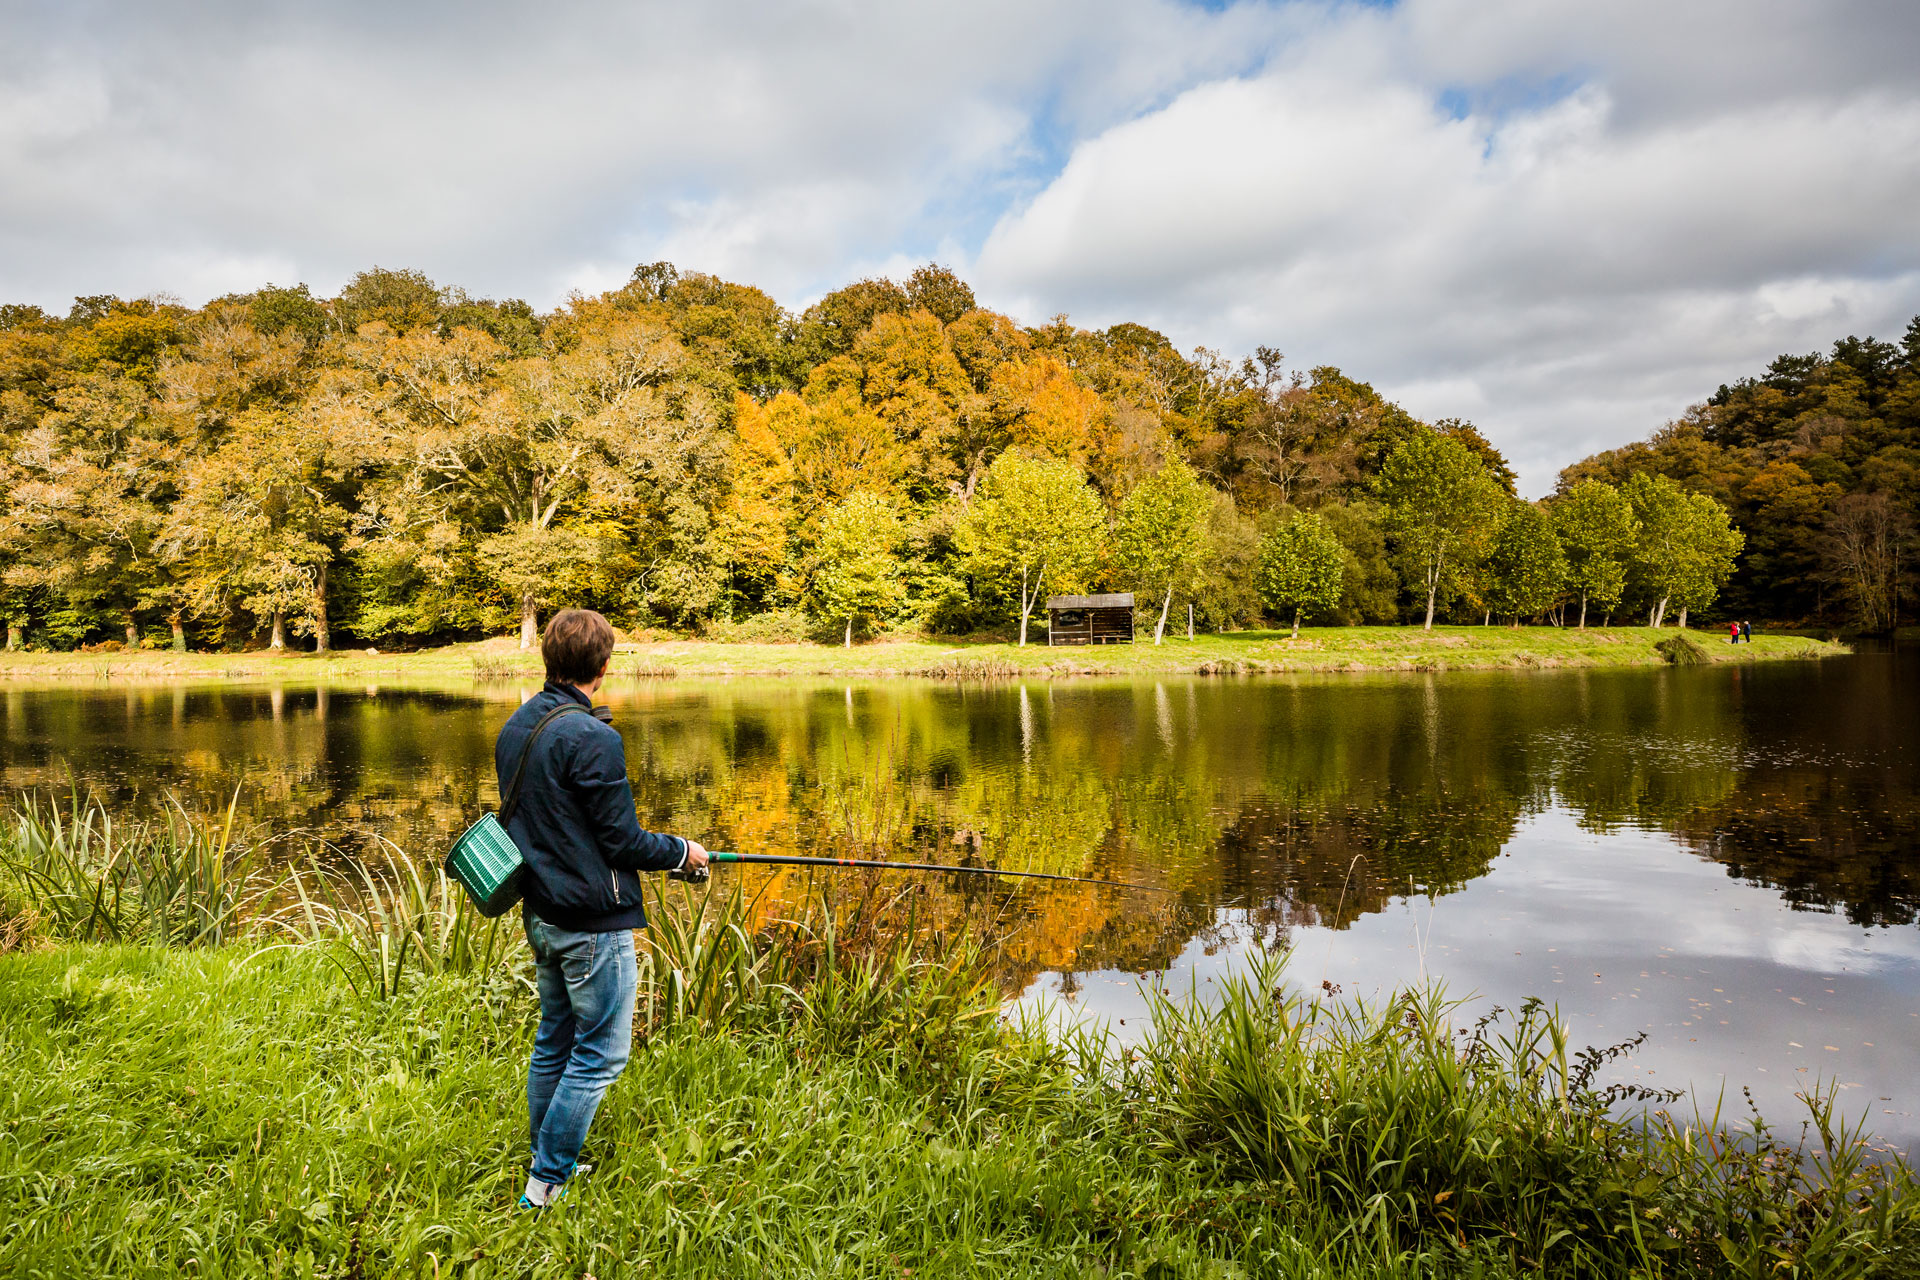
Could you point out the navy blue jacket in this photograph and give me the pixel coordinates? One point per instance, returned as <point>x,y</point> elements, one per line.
<point>575,822</point>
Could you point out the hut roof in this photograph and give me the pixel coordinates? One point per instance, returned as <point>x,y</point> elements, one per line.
<point>1116,600</point>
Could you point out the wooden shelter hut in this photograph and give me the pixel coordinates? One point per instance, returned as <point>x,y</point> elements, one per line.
<point>1104,619</point>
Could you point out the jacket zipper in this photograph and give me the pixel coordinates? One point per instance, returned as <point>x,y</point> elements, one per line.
<point>615,877</point>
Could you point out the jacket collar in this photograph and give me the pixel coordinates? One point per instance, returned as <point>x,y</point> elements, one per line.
<point>569,691</point>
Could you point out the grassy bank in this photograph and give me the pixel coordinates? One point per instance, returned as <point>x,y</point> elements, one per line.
<point>1319,649</point>
<point>321,1077</point>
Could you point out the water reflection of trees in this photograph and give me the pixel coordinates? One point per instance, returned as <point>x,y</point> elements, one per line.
<point>407,765</point>
<point>1799,779</point>
<point>1287,804</point>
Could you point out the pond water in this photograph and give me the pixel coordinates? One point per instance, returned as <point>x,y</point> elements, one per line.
<point>1726,858</point>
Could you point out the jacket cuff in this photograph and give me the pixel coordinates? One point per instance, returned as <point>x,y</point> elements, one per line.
<point>684,851</point>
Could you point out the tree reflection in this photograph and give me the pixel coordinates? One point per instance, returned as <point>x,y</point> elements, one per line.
<point>1274,804</point>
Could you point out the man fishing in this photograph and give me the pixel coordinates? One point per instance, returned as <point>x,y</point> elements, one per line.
<point>584,850</point>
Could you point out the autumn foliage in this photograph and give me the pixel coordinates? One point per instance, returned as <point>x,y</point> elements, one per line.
<point>403,463</point>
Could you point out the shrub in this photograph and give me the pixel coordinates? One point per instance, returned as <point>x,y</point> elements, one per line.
<point>500,667</point>
<point>1681,651</point>
<point>775,626</point>
<point>954,666</point>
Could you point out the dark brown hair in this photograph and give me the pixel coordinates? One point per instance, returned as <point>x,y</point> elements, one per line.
<point>576,646</point>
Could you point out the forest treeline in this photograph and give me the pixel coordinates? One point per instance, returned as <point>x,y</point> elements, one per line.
<point>404,462</point>
<point>1818,459</point>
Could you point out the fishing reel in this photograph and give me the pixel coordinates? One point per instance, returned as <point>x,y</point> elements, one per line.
<point>689,875</point>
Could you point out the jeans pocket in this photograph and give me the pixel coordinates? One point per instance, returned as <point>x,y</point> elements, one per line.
<point>576,962</point>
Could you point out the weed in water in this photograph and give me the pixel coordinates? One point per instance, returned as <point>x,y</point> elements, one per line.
<point>87,877</point>
<point>488,666</point>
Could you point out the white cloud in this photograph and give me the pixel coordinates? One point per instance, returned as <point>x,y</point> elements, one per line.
<point>1566,221</point>
<point>518,150</point>
<point>1569,264</point>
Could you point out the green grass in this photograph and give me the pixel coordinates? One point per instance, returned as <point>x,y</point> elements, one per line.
<point>242,1111</point>
<point>1319,649</point>
<point>227,1113</point>
<point>336,1090</point>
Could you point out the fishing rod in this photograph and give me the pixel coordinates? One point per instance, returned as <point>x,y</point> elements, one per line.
<point>783,860</point>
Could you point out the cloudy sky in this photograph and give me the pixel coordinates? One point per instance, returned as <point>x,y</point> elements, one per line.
<point>1564,220</point>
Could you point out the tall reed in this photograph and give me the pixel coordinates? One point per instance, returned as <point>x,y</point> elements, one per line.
<point>1491,1136</point>
<point>387,920</point>
<point>179,880</point>
<point>836,978</point>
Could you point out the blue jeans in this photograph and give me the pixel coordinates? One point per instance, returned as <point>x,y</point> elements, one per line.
<point>586,1035</point>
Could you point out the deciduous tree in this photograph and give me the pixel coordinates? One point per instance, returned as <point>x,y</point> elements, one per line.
<point>1300,567</point>
<point>1443,508</point>
<point>1034,527</point>
<point>1686,546</point>
<point>1526,568</point>
<point>1868,553</point>
<point>1159,537</point>
<point>1597,533</point>
<point>858,571</point>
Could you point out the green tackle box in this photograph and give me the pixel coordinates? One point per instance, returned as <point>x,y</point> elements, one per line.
<point>487,862</point>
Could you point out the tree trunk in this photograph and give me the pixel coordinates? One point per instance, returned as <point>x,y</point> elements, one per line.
<point>1160,627</point>
<point>1296,624</point>
<point>14,637</point>
<point>1432,588</point>
<point>1486,619</point>
<point>278,640</point>
<point>1607,621</point>
<point>1683,617</point>
<point>1660,613</point>
<point>179,633</point>
<point>133,633</point>
<point>1189,622</point>
<point>849,640</point>
<point>529,621</point>
<point>1583,611</point>
<point>322,633</point>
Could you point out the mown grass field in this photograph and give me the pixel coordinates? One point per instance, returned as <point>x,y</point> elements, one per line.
<point>1319,649</point>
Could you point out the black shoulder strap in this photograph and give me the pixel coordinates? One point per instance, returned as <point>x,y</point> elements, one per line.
<point>511,800</point>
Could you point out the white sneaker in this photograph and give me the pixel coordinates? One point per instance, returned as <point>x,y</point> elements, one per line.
<point>539,1195</point>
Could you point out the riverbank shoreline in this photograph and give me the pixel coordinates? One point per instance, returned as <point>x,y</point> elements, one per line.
<point>211,1075</point>
<point>1319,650</point>
<point>243,1110</point>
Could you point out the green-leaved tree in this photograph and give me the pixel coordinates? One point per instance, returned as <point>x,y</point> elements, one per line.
<point>1161,536</point>
<point>1597,533</point>
<point>1526,567</point>
<point>1035,526</point>
<point>1301,567</point>
<point>1686,546</point>
<point>858,572</point>
<point>1443,510</point>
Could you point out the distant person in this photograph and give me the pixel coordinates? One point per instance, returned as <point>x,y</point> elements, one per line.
<point>1733,633</point>
<point>575,826</point>
<point>1746,632</point>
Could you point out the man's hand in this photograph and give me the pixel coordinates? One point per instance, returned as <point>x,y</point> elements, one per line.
<point>696,857</point>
